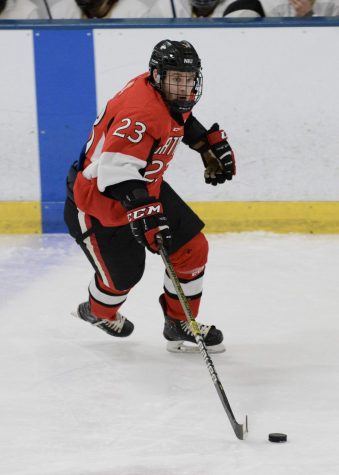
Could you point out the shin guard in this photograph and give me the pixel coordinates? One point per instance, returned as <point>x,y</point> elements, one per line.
<point>189,263</point>
<point>105,301</point>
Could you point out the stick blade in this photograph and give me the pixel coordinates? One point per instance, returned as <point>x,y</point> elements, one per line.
<point>181,346</point>
<point>241,430</point>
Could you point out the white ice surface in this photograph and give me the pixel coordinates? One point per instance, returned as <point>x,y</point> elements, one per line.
<point>74,401</point>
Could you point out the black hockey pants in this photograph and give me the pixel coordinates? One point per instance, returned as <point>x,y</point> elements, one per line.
<point>116,250</point>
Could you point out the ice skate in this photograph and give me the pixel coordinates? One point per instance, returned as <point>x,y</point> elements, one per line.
<point>120,327</point>
<point>180,338</point>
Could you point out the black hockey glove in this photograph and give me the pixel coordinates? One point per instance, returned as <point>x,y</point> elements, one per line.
<point>218,157</point>
<point>146,219</point>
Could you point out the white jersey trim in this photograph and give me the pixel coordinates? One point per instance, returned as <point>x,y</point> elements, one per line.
<point>98,148</point>
<point>113,167</point>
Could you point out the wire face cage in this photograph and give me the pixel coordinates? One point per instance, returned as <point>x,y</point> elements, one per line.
<point>181,89</point>
<point>178,74</point>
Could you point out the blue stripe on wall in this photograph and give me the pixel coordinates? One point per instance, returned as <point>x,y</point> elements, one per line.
<point>66,106</point>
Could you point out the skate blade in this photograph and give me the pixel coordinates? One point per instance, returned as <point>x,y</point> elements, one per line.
<point>185,347</point>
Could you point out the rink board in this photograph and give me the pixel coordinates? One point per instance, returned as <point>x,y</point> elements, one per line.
<point>20,217</point>
<point>219,217</point>
<point>280,119</point>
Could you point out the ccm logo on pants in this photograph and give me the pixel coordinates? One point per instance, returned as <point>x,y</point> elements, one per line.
<point>144,211</point>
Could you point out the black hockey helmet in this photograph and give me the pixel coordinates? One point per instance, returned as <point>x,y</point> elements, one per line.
<point>180,56</point>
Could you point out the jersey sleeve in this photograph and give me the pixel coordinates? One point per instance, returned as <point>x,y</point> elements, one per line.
<point>128,145</point>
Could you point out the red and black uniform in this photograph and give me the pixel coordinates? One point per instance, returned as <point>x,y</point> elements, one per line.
<point>132,143</point>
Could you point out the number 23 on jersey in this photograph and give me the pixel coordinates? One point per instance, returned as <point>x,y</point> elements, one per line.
<point>138,132</point>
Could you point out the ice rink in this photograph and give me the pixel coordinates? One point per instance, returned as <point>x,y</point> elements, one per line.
<point>75,401</point>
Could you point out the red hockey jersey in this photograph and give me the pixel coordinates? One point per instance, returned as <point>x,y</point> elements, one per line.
<point>134,138</point>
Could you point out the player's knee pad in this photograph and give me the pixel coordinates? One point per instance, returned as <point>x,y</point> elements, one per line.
<point>123,278</point>
<point>190,259</point>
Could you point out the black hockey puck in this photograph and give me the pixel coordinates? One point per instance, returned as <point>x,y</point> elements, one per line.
<point>276,437</point>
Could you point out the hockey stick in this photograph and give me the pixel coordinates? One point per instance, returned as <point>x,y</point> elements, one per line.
<point>240,430</point>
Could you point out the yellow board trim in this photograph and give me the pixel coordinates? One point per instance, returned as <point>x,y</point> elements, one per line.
<point>315,217</point>
<point>20,217</point>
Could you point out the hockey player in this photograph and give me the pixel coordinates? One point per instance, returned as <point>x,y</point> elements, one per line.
<point>118,201</point>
